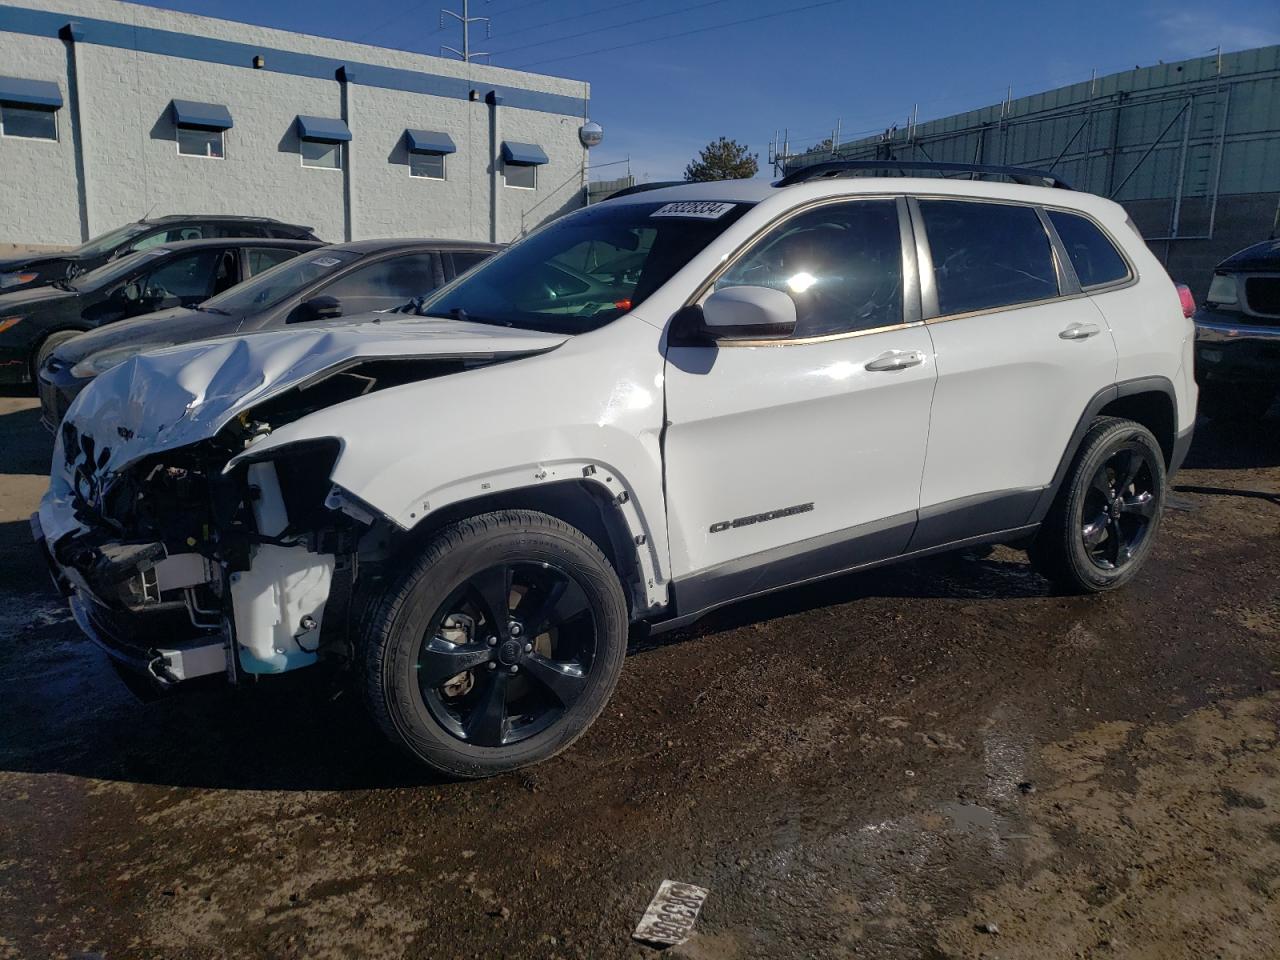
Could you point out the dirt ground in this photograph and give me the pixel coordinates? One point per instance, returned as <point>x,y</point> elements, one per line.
<point>934,760</point>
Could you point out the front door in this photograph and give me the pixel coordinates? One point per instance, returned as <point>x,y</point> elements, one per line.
<point>792,459</point>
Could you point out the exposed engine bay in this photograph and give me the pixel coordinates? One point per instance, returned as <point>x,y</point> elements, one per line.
<point>202,558</point>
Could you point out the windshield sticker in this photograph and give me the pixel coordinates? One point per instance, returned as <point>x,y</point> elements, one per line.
<point>326,261</point>
<point>695,209</point>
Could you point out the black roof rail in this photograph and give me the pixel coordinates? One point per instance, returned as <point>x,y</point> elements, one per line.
<point>837,168</point>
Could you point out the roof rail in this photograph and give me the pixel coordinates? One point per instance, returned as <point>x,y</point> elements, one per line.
<point>839,168</point>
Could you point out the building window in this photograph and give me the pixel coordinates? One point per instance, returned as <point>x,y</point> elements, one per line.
<point>325,155</point>
<point>29,123</point>
<point>522,175</point>
<point>429,166</point>
<point>200,143</point>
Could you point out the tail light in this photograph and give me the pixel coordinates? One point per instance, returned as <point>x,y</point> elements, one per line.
<point>1188,300</point>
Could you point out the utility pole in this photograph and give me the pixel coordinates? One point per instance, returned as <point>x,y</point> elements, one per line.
<point>466,53</point>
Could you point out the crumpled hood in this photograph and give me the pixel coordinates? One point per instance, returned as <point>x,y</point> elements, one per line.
<point>177,396</point>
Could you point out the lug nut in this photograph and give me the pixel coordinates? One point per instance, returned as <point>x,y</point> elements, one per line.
<point>492,641</point>
<point>516,630</point>
<point>528,648</point>
<point>493,666</point>
<point>514,668</point>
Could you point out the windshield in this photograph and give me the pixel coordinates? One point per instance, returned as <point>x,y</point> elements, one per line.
<point>115,270</point>
<point>109,240</point>
<point>271,286</point>
<point>586,269</point>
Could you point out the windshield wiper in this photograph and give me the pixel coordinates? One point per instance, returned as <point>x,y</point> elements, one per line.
<point>64,285</point>
<point>462,316</point>
<point>218,310</point>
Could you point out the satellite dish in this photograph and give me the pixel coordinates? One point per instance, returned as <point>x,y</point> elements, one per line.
<point>591,134</point>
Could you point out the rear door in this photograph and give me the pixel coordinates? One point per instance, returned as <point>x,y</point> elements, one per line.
<point>790,459</point>
<point>1020,354</point>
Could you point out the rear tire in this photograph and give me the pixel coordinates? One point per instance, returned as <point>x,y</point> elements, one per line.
<point>1102,524</point>
<point>472,682</point>
<point>1236,401</point>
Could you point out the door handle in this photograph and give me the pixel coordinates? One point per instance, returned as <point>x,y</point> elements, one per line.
<point>896,360</point>
<point>1080,331</point>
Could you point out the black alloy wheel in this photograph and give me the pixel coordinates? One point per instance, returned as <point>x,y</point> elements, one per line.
<point>1118,508</point>
<point>1102,524</point>
<point>497,646</point>
<point>507,653</point>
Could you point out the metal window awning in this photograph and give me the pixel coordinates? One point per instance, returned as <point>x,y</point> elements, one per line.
<point>200,116</point>
<point>524,154</point>
<point>40,94</point>
<point>323,130</point>
<point>429,141</point>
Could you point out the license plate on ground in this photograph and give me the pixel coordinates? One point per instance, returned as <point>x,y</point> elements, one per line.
<point>671,914</point>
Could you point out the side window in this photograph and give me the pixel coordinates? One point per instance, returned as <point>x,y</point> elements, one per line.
<point>840,263</point>
<point>987,255</point>
<point>1095,258</point>
<point>264,258</point>
<point>150,240</point>
<point>188,277</point>
<point>464,260</point>
<point>408,276</point>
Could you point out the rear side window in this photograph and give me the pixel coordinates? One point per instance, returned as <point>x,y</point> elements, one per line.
<point>1095,257</point>
<point>464,260</point>
<point>840,263</point>
<point>264,258</point>
<point>987,255</point>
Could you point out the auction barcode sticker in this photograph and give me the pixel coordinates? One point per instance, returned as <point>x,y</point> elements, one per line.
<point>695,209</point>
<point>671,914</point>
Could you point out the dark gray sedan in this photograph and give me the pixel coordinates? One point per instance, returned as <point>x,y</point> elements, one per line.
<point>343,279</point>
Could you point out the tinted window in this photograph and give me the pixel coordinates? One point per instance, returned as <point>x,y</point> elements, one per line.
<point>987,255</point>
<point>408,277</point>
<point>520,175</point>
<point>1095,258</point>
<point>189,276</point>
<point>841,264</point>
<point>272,286</point>
<point>26,122</point>
<point>264,258</point>
<point>429,165</point>
<point>539,282</point>
<point>464,260</point>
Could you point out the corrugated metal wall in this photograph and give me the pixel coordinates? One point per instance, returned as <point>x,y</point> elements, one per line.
<point>1194,134</point>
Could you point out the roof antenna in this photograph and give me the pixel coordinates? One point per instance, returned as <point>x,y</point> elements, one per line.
<point>150,210</point>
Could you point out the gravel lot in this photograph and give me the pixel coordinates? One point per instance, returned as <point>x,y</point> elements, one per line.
<point>934,760</point>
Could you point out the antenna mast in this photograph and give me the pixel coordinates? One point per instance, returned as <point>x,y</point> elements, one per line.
<point>465,18</point>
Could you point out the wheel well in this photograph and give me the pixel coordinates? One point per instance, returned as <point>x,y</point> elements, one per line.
<point>39,345</point>
<point>577,502</point>
<point>1154,410</point>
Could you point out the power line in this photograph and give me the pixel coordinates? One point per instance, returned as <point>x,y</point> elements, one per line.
<point>610,8</point>
<point>613,26</point>
<point>411,8</point>
<point>682,33</point>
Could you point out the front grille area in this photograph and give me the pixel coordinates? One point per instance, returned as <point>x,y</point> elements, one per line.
<point>1263,294</point>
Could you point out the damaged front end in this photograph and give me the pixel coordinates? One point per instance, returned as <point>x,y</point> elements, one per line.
<point>183,568</point>
<point>182,551</point>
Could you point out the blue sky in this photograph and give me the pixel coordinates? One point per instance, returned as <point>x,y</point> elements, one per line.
<point>866,63</point>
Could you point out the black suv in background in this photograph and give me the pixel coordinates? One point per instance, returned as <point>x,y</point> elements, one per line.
<point>1238,334</point>
<point>38,270</point>
<point>344,279</point>
<point>33,322</point>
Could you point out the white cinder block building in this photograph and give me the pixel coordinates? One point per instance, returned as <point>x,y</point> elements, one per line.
<point>111,111</point>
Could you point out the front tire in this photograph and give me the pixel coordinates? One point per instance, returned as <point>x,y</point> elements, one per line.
<point>1102,525</point>
<point>499,647</point>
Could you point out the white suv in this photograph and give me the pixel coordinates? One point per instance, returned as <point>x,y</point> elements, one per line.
<point>646,409</point>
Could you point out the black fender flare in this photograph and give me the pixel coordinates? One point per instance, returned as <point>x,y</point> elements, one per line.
<point>1099,401</point>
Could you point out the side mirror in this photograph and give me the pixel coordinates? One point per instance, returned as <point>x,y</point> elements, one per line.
<point>748,313</point>
<point>317,308</point>
<point>131,292</point>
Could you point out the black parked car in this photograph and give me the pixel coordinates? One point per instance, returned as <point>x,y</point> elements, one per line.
<point>340,280</point>
<point>33,322</point>
<point>39,270</point>
<point>1238,334</point>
